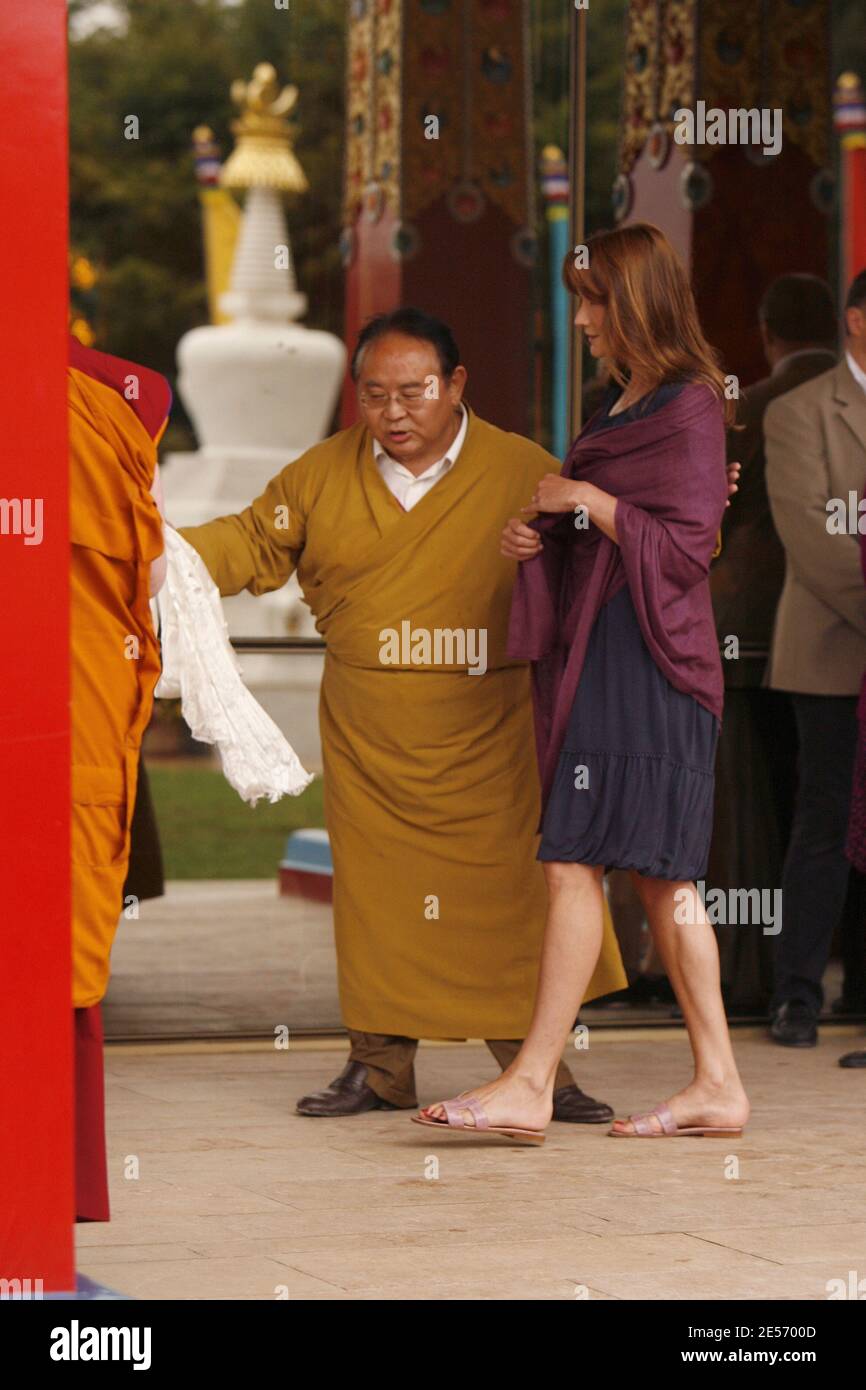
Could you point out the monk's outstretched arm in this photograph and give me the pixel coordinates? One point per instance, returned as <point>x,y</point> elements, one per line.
<point>256,549</point>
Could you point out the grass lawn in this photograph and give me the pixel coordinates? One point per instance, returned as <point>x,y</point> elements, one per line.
<point>208,832</point>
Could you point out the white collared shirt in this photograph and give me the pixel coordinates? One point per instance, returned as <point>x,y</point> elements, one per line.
<point>403,484</point>
<point>856,370</point>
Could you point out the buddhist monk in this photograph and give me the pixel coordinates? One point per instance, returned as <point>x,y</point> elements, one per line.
<point>431,792</point>
<point>117,411</point>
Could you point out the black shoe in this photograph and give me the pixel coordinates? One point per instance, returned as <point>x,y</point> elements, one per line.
<point>618,999</point>
<point>853,1059</point>
<point>644,992</point>
<point>653,989</point>
<point>348,1094</point>
<point>849,1004</point>
<point>571,1105</point>
<point>794,1025</point>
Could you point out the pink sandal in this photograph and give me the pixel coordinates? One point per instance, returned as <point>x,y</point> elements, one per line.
<point>455,1119</point>
<point>644,1129</point>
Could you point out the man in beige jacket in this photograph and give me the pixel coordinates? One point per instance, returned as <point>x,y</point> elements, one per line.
<point>816,466</point>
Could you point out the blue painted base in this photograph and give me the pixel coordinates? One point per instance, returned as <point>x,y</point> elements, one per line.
<point>85,1290</point>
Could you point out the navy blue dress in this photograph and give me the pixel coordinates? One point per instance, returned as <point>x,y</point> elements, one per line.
<point>642,753</point>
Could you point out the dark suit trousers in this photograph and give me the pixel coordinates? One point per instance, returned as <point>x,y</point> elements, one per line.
<point>390,1063</point>
<point>816,872</point>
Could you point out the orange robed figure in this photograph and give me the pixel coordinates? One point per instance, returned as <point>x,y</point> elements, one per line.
<point>117,412</point>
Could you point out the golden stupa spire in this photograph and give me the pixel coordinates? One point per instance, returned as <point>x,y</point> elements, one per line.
<point>263,156</point>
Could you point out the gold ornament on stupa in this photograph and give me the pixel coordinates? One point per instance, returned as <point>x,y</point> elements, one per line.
<point>263,156</point>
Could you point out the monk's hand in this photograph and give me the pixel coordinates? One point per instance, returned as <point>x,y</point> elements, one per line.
<point>733,476</point>
<point>519,541</point>
<point>556,494</point>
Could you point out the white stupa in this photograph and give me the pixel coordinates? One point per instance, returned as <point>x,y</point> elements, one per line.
<point>260,389</point>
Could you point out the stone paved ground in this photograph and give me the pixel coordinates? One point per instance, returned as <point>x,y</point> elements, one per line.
<point>239,1198</point>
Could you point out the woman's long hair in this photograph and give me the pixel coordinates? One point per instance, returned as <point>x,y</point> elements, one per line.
<point>652,321</point>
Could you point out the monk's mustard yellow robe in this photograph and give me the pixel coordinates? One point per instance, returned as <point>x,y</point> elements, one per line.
<point>431,789</point>
<point>116,532</point>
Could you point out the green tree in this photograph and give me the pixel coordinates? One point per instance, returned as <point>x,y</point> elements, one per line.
<point>133,202</point>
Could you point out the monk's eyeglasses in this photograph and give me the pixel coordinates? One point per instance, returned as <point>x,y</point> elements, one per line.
<point>413,399</point>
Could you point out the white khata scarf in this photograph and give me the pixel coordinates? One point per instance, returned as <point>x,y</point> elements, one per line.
<point>199,666</point>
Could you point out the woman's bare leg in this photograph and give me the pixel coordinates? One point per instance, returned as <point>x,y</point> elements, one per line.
<point>690,955</point>
<point>523,1094</point>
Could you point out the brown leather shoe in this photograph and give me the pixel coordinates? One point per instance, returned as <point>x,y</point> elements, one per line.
<point>348,1094</point>
<point>574,1108</point>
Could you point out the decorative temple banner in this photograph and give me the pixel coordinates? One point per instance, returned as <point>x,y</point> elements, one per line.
<point>439,171</point>
<point>726,110</point>
<point>739,54</point>
<point>460,130</point>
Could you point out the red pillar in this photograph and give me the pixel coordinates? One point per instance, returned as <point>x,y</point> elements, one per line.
<point>36,1138</point>
<point>850,105</point>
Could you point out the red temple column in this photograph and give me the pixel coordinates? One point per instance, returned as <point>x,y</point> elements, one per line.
<point>850,119</point>
<point>439,183</point>
<point>739,218</point>
<point>36,1136</point>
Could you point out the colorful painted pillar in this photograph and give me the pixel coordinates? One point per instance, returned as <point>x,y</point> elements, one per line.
<point>850,121</point>
<point>439,205</point>
<point>36,1130</point>
<point>555,190</point>
<point>738,216</point>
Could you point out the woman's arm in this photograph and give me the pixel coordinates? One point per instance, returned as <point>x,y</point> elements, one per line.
<point>557,494</point>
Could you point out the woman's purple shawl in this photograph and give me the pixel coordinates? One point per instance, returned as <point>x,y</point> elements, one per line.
<point>667,471</point>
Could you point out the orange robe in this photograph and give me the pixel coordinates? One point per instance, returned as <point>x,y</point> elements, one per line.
<point>116,532</point>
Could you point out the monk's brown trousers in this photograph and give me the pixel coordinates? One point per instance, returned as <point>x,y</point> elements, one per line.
<point>390,1063</point>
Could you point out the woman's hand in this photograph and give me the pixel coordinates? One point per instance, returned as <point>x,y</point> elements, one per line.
<point>557,494</point>
<point>519,541</point>
<point>588,502</point>
<point>553,493</point>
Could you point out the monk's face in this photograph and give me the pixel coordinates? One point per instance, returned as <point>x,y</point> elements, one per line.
<point>408,405</point>
<point>590,317</point>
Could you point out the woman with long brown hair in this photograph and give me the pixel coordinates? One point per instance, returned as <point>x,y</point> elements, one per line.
<point>612,607</point>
